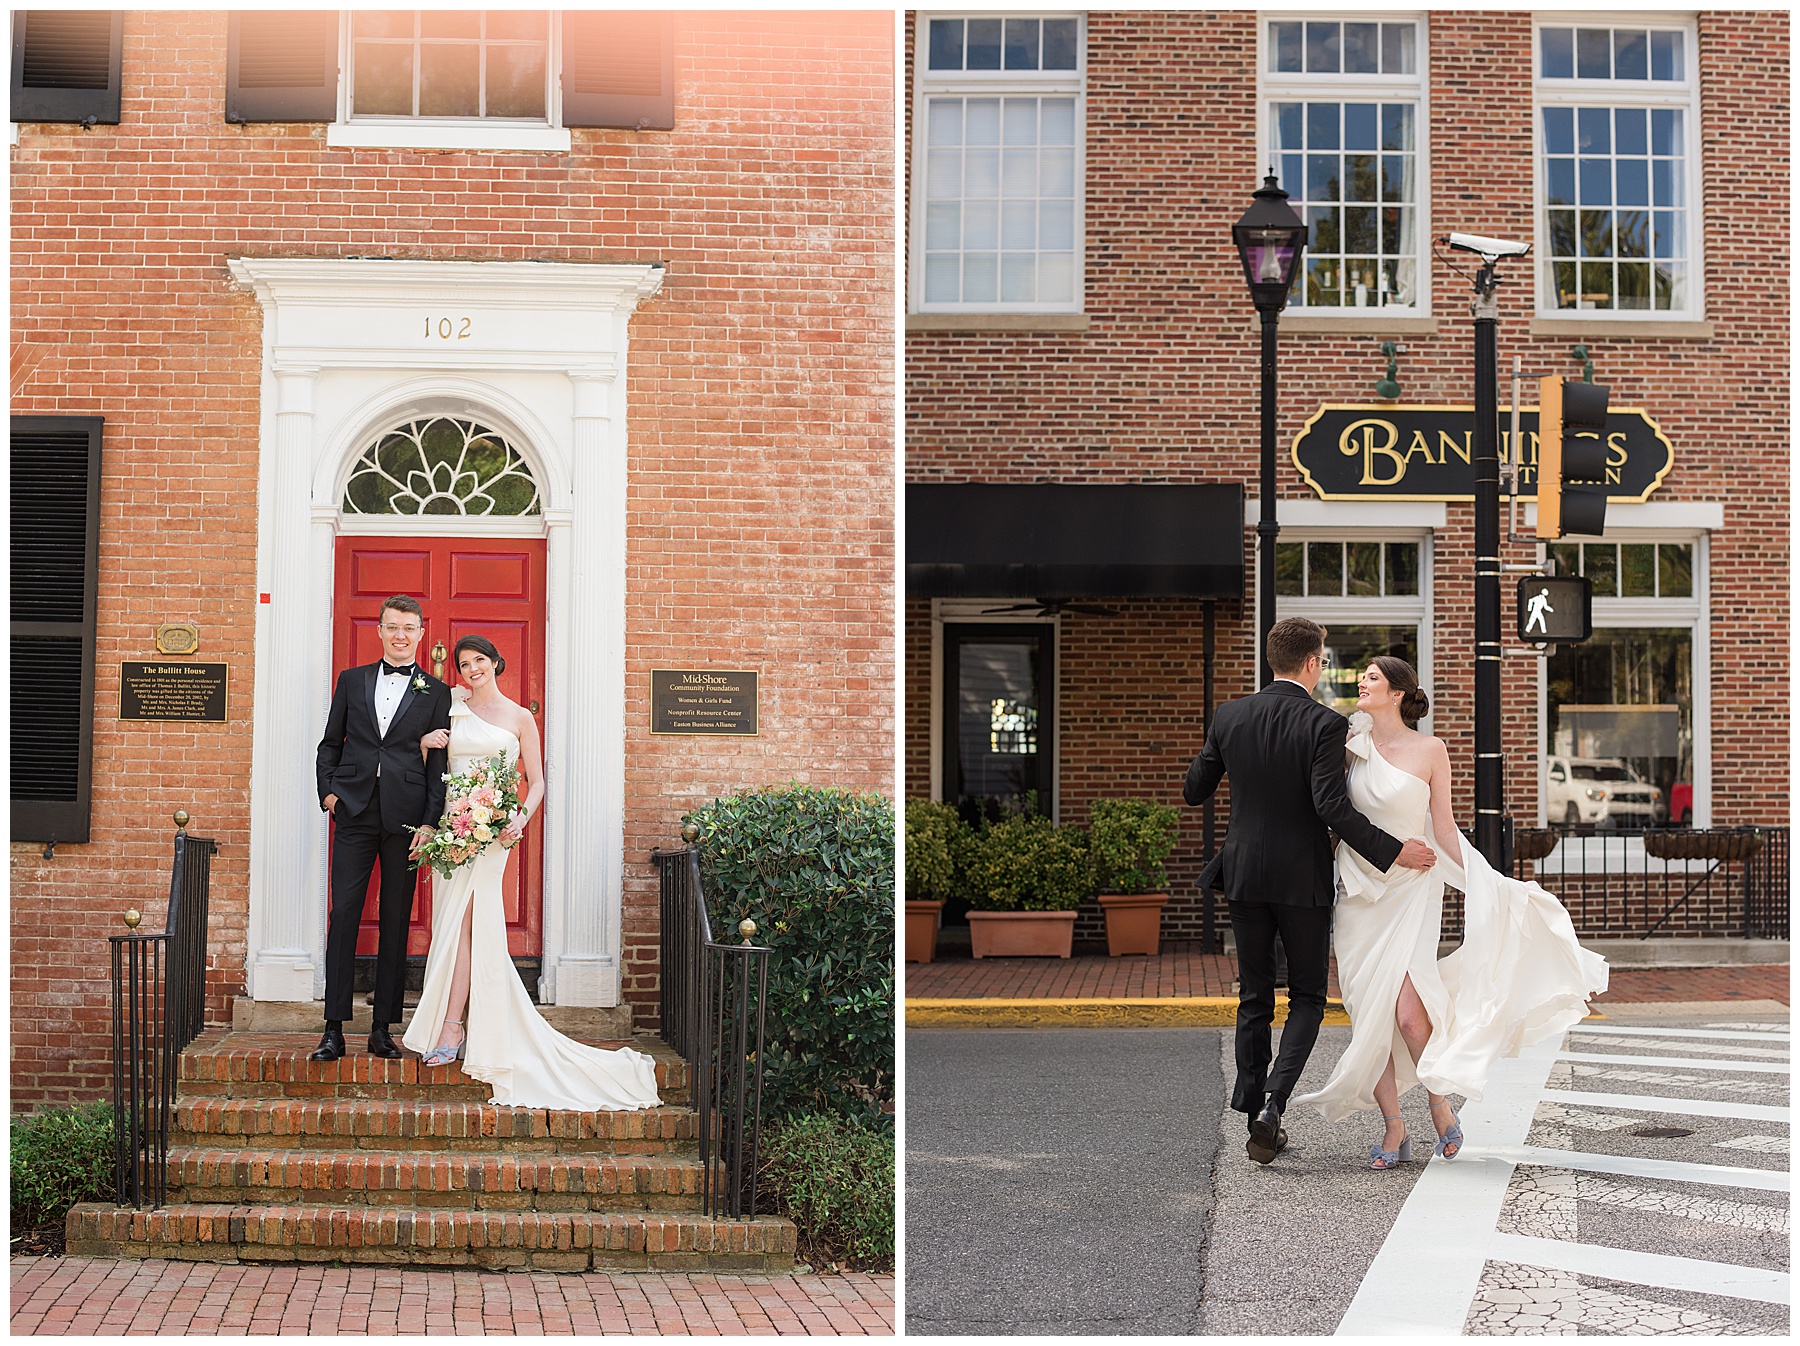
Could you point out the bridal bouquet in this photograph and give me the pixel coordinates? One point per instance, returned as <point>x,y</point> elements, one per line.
<point>479,802</point>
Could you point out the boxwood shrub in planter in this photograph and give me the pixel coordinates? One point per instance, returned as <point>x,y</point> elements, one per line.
<point>814,868</point>
<point>936,839</point>
<point>1024,878</point>
<point>1130,840</point>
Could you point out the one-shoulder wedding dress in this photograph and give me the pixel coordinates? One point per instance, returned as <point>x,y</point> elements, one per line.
<point>1519,976</point>
<point>527,1062</point>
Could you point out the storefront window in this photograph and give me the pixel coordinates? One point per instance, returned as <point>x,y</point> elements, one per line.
<point>1346,569</point>
<point>1620,729</point>
<point>1630,569</point>
<point>998,755</point>
<point>1348,650</point>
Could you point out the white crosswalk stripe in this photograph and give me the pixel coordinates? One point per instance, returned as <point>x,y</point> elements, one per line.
<point>1493,1243</point>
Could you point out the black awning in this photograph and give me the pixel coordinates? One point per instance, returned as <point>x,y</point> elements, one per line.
<point>1052,541</point>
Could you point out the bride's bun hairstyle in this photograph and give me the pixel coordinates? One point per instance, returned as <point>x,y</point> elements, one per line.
<point>481,645</point>
<point>1400,676</point>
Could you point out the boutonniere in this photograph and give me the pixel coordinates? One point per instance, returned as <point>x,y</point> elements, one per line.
<point>418,682</point>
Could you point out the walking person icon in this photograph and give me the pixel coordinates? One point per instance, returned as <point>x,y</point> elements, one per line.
<point>1536,607</point>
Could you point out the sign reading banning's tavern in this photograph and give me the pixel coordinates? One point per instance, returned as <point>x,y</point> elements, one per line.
<point>1361,451</point>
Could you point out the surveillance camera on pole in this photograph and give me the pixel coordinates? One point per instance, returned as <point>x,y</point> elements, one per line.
<point>1490,250</point>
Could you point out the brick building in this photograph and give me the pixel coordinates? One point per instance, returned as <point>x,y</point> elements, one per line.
<point>1080,343</point>
<point>611,294</point>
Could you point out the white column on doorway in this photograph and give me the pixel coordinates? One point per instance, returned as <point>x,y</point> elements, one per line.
<point>282,962</point>
<point>588,626</point>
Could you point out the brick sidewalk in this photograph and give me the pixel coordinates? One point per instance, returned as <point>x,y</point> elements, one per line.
<point>1180,971</point>
<point>84,1296</point>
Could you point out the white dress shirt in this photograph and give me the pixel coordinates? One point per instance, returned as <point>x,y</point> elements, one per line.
<point>389,688</point>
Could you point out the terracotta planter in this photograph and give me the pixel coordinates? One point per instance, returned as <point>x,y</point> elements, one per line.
<point>1021,934</point>
<point>922,928</point>
<point>1133,922</point>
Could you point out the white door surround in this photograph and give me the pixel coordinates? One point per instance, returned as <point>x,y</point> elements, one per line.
<point>538,352</point>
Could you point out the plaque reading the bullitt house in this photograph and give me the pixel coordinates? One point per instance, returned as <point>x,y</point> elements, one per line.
<point>703,701</point>
<point>172,691</point>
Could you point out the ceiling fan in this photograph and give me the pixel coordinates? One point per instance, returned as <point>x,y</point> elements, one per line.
<point>1054,607</point>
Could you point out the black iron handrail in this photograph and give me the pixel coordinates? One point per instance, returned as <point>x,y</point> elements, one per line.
<point>158,1007</point>
<point>714,999</point>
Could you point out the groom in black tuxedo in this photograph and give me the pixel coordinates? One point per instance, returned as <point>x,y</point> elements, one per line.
<point>1284,753</point>
<point>373,783</point>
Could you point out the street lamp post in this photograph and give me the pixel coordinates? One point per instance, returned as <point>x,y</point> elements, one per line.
<point>1270,240</point>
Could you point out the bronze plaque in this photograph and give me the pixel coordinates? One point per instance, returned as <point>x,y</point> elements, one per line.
<point>703,701</point>
<point>172,691</point>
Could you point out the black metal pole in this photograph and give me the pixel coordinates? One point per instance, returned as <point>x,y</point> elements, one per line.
<point>1209,931</point>
<point>1266,527</point>
<point>1490,776</point>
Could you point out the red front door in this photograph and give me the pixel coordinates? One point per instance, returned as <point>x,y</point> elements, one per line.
<point>467,586</point>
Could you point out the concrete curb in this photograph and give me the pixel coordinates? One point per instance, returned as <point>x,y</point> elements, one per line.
<point>1094,1012</point>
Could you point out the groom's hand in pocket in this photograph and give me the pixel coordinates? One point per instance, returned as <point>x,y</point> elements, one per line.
<point>1416,855</point>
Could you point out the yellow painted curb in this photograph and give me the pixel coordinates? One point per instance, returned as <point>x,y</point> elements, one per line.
<point>1094,1012</point>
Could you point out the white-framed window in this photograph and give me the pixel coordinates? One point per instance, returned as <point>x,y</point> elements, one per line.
<point>1343,127</point>
<point>1371,591</point>
<point>1625,721</point>
<point>463,63</point>
<point>1617,135</point>
<point>996,221</point>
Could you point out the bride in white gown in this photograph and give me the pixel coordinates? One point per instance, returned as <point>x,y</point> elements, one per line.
<point>502,1038</point>
<point>1519,976</point>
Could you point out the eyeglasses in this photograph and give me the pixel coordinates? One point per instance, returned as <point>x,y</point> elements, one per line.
<point>389,630</point>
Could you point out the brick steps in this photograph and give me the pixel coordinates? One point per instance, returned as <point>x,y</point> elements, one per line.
<point>405,1124</point>
<point>437,1180</point>
<point>544,1240</point>
<point>276,1158</point>
<point>226,1064</point>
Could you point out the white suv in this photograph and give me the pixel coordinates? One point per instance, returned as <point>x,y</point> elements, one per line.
<point>1601,792</point>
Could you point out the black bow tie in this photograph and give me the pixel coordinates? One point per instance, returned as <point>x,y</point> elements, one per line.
<point>387,668</point>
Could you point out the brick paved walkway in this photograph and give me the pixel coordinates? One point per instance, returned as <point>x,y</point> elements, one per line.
<point>84,1296</point>
<point>1182,971</point>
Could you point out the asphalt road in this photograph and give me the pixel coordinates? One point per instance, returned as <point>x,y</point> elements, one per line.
<point>1090,1182</point>
<point>1059,1182</point>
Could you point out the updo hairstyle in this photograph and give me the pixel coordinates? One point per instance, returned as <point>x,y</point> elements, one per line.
<point>1400,675</point>
<point>481,645</point>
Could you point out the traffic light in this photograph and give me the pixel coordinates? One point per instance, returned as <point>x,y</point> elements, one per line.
<point>1570,418</point>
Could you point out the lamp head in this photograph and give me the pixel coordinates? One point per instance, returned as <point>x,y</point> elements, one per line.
<point>1270,240</point>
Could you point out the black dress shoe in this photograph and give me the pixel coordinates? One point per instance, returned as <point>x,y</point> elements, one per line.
<point>1267,1139</point>
<point>331,1046</point>
<point>380,1044</point>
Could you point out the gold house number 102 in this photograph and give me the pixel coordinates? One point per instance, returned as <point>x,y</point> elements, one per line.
<point>447,328</point>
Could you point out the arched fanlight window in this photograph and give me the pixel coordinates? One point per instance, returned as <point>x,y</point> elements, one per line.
<point>441,465</point>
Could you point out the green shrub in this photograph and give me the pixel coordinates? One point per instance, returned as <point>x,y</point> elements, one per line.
<point>814,868</point>
<point>1025,862</point>
<point>835,1180</point>
<point>1130,839</point>
<point>60,1157</point>
<point>936,836</point>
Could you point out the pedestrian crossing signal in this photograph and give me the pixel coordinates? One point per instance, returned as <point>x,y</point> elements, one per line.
<point>1556,609</point>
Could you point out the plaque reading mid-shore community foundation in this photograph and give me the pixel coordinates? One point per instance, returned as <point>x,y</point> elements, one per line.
<point>172,691</point>
<point>702,701</point>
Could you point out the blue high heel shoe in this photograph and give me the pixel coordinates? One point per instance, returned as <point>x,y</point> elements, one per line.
<point>1452,1136</point>
<point>1381,1160</point>
<point>443,1056</point>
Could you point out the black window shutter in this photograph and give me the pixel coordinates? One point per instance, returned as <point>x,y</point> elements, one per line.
<point>281,66</point>
<point>618,69</point>
<point>65,65</point>
<point>55,579</point>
